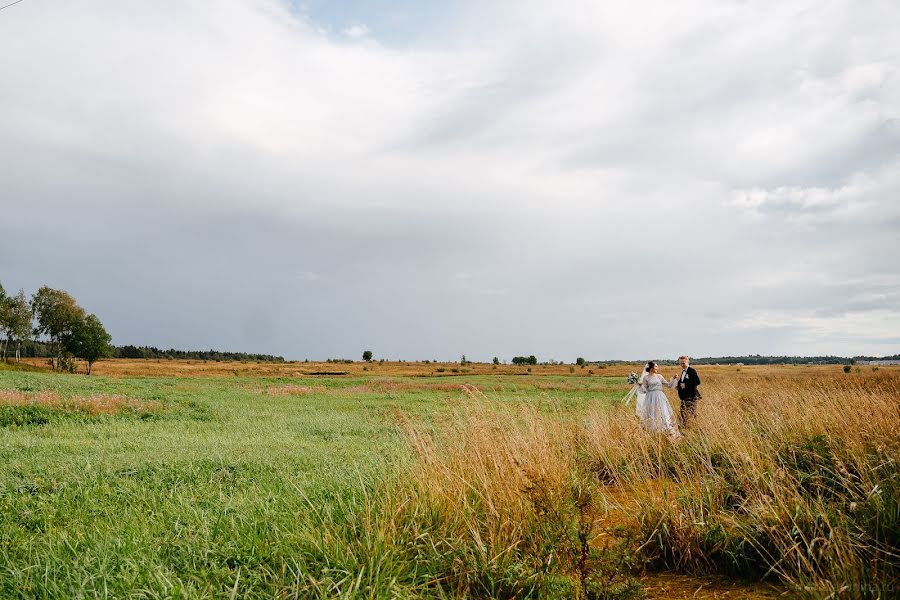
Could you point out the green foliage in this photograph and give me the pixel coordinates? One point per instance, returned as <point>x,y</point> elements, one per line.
<point>580,361</point>
<point>496,361</point>
<point>524,360</point>
<point>57,315</point>
<point>15,321</point>
<point>90,341</point>
<point>20,416</point>
<point>367,356</point>
<point>67,363</point>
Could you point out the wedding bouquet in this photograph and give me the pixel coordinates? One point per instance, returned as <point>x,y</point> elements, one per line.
<point>635,392</point>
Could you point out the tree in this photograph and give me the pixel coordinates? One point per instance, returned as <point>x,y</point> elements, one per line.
<point>463,361</point>
<point>4,320</point>
<point>579,361</point>
<point>57,315</point>
<point>18,323</point>
<point>496,361</point>
<point>367,356</point>
<point>90,341</point>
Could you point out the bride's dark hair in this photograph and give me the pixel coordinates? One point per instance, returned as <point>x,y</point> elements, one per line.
<point>649,366</point>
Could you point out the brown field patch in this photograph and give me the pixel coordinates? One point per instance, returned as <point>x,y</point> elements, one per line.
<point>98,404</point>
<point>377,370</point>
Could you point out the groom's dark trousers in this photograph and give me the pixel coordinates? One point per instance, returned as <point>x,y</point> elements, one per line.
<point>688,395</point>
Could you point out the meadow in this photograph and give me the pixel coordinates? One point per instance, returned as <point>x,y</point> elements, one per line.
<point>193,479</point>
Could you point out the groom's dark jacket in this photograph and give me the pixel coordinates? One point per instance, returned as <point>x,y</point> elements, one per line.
<point>691,381</point>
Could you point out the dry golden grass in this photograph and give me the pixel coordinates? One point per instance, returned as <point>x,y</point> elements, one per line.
<point>97,404</point>
<point>789,473</point>
<point>202,368</point>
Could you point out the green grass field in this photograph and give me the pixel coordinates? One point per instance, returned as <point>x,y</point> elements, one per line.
<point>223,491</point>
<point>477,485</point>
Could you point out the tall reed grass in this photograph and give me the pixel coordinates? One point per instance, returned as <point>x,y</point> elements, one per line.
<point>786,478</point>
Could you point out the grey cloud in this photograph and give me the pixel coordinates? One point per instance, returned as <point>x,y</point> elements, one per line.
<point>570,193</point>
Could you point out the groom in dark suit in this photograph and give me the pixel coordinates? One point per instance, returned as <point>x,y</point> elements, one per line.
<point>688,392</point>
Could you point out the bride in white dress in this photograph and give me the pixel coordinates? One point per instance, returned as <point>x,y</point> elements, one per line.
<point>653,409</point>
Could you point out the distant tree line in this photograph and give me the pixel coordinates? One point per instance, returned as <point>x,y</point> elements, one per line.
<point>36,349</point>
<point>69,332</point>
<point>524,360</point>
<point>756,359</point>
<point>130,351</point>
<point>892,357</point>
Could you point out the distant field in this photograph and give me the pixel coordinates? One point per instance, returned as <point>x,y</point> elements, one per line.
<point>203,479</point>
<point>211,368</point>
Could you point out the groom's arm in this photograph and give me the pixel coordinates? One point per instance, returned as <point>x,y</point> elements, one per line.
<point>696,378</point>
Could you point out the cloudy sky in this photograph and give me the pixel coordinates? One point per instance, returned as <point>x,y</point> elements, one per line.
<point>427,179</point>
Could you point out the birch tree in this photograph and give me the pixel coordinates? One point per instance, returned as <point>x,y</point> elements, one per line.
<point>57,315</point>
<point>18,322</point>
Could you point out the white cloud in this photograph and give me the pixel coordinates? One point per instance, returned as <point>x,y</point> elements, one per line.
<point>877,330</point>
<point>356,31</point>
<point>862,200</point>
